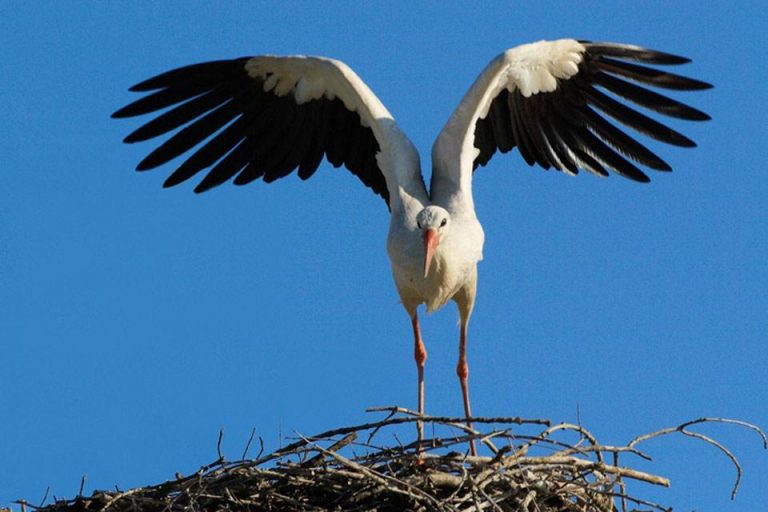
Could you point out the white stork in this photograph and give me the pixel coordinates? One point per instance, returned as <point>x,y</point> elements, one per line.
<point>264,117</point>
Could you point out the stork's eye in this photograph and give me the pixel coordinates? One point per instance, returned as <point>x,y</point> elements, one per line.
<point>445,221</point>
<point>418,224</point>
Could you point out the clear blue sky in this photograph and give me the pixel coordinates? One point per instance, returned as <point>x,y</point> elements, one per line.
<point>136,321</point>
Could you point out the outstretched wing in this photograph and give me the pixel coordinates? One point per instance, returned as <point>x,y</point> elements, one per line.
<point>549,99</point>
<point>264,117</point>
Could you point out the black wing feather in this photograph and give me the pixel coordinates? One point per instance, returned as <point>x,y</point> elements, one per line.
<point>206,74</point>
<point>648,75</point>
<point>180,115</point>
<point>501,122</point>
<point>190,136</point>
<point>631,52</point>
<point>227,167</point>
<point>292,154</point>
<point>622,142</point>
<point>648,99</point>
<point>485,141</point>
<point>634,119</point>
<point>210,152</point>
<point>159,100</point>
<point>314,155</point>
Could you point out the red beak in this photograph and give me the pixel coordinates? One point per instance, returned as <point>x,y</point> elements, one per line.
<point>431,241</point>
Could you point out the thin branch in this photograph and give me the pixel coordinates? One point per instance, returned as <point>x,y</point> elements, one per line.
<point>248,444</point>
<point>683,429</point>
<point>45,496</point>
<point>722,449</point>
<point>218,444</point>
<point>582,464</point>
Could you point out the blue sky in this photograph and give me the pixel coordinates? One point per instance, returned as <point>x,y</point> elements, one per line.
<point>135,321</point>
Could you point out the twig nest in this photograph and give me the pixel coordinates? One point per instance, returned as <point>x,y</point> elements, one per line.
<point>530,467</point>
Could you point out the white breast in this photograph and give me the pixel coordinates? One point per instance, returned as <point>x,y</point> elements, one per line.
<point>453,266</point>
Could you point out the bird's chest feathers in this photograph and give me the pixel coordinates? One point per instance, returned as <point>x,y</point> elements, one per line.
<point>454,263</point>
<point>445,278</point>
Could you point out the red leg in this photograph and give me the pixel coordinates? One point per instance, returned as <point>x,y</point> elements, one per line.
<point>462,370</point>
<point>420,355</point>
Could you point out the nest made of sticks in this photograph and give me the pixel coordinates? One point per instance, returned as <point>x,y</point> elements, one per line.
<point>349,469</point>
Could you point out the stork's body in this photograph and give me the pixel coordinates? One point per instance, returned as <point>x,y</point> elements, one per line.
<point>264,117</point>
<point>433,276</point>
<point>453,266</point>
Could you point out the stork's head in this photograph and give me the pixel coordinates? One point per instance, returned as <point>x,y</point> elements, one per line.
<point>434,222</point>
